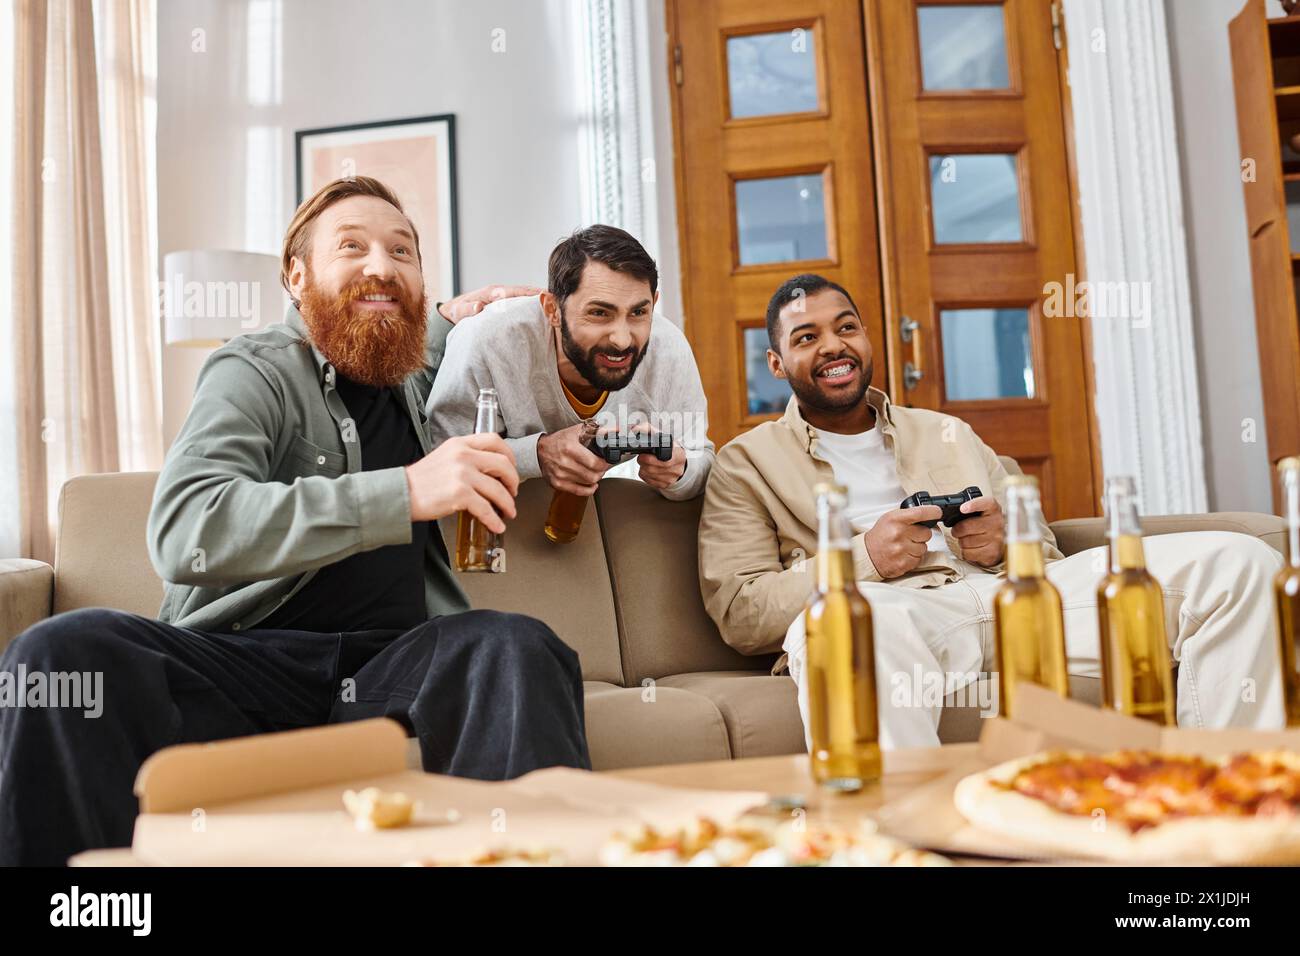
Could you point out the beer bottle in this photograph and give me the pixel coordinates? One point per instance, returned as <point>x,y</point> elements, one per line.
<point>1286,589</point>
<point>1135,665</point>
<point>564,517</point>
<point>477,548</point>
<point>841,658</point>
<point>1027,621</point>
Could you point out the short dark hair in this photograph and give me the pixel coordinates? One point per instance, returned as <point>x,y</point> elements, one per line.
<point>608,245</point>
<point>793,288</point>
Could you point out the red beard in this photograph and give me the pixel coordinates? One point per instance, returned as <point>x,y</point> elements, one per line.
<point>370,347</point>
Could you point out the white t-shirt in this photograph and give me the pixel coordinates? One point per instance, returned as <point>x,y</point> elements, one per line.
<point>864,466</point>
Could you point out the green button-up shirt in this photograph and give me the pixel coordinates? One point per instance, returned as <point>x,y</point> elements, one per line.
<point>263,485</point>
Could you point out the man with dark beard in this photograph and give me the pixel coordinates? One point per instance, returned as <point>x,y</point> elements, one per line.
<point>588,349</point>
<point>293,524</point>
<point>931,589</point>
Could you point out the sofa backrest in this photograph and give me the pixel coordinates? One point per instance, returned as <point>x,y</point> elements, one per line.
<point>652,548</point>
<point>102,560</point>
<point>101,557</point>
<point>565,585</point>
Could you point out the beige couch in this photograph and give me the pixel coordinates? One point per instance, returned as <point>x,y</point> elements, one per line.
<point>661,686</point>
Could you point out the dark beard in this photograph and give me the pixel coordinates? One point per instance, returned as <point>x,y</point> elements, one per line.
<point>377,350</point>
<point>811,396</point>
<point>585,362</point>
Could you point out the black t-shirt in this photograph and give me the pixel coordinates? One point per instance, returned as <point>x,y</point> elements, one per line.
<point>384,587</point>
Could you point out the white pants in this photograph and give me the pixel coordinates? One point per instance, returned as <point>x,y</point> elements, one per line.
<point>1219,616</point>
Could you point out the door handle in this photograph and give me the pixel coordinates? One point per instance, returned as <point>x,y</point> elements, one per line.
<point>907,328</point>
<point>911,376</point>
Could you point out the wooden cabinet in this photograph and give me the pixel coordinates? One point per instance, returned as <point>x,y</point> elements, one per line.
<point>1266,73</point>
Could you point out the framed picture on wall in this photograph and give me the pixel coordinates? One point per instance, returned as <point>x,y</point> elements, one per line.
<point>416,158</point>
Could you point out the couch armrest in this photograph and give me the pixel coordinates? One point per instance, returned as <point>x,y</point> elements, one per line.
<point>26,596</point>
<point>1079,534</point>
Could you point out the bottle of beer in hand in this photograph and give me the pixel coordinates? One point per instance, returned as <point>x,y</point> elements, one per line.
<point>564,517</point>
<point>1135,664</point>
<point>1027,618</point>
<point>477,548</point>
<point>1286,590</point>
<point>841,658</point>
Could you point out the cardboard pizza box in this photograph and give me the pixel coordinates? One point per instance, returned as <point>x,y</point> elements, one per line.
<point>277,800</point>
<point>926,817</point>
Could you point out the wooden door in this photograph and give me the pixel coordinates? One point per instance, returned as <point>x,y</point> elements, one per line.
<point>978,240</point>
<point>774,176</point>
<point>1266,77</point>
<point>946,208</point>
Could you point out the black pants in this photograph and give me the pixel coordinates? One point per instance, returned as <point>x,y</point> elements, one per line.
<point>489,695</point>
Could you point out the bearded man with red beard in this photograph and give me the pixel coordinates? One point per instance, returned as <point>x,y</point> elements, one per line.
<point>294,527</point>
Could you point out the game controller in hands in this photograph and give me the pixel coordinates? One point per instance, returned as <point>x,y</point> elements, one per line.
<point>951,505</point>
<point>613,447</point>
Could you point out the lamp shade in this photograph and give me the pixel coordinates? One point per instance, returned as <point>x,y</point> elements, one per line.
<point>213,295</point>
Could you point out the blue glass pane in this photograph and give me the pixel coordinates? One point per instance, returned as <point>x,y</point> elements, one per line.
<point>765,392</point>
<point>771,73</point>
<point>781,219</point>
<point>962,47</point>
<point>987,353</point>
<point>975,197</point>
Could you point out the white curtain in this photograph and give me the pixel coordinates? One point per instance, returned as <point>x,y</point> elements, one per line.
<point>86,381</point>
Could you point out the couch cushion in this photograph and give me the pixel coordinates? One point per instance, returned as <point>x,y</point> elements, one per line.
<point>565,585</point>
<point>652,546</point>
<point>641,727</point>
<point>1079,534</point>
<point>625,730</point>
<point>102,557</point>
<point>761,711</point>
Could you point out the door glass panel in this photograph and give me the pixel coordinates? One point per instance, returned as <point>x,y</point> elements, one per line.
<point>765,392</point>
<point>782,219</point>
<point>975,197</point>
<point>987,353</point>
<point>962,47</point>
<point>771,73</point>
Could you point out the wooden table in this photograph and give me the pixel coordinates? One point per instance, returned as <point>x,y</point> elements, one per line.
<point>785,776</point>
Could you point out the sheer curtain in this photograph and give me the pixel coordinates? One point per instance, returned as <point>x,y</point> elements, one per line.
<point>86,380</point>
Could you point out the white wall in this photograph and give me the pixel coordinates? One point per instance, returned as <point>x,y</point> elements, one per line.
<point>1222,300</point>
<point>226,118</point>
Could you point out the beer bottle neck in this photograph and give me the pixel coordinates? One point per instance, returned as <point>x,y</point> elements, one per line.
<point>834,554</point>
<point>1024,546</point>
<point>1291,498</point>
<point>1126,553</point>
<point>485,420</point>
<point>1122,526</point>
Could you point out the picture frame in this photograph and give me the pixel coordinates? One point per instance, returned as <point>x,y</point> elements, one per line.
<point>416,158</point>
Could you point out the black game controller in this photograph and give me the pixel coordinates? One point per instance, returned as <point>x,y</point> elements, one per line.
<point>951,505</point>
<point>613,447</point>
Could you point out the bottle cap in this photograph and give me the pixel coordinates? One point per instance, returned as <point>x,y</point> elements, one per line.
<point>1022,481</point>
<point>1291,463</point>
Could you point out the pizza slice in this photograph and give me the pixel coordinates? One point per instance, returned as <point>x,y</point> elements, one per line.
<point>1141,806</point>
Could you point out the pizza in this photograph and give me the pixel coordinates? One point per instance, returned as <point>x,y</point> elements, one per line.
<point>707,843</point>
<point>500,856</point>
<point>1142,806</point>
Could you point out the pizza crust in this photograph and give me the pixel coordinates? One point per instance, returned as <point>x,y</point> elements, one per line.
<point>1033,823</point>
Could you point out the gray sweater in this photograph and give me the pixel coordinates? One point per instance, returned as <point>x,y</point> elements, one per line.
<point>510,346</point>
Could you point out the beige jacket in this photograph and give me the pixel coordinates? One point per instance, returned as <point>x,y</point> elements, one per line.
<point>758,528</point>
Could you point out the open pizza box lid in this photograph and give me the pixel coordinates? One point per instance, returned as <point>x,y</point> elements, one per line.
<point>276,800</point>
<point>926,816</point>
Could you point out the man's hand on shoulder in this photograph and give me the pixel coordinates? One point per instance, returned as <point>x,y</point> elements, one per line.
<point>474,473</point>
<point>471,303</point>
<point>897,541</point>
<point>983,536</point>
